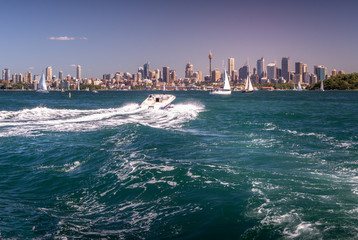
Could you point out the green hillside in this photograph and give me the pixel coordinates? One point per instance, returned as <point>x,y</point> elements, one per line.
<point>339,82</point>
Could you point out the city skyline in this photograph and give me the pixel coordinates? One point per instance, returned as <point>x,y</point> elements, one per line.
<point>110,36</point>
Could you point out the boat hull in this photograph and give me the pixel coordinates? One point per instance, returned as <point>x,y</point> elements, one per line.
<point>221,93</point>
<point>158,101</point>
<point>42,91</point>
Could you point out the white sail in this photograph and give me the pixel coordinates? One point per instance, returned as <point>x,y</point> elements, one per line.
<point>247,83</point>
<point>250,88</point>
<point>42,84</point>
<point>299,88</point>
<point>226,83</point>
<point>322,88</point>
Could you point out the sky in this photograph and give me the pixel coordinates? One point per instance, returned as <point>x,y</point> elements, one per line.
<point>108,36</point>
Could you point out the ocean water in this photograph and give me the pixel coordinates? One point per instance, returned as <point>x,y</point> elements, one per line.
<point>266,165</point>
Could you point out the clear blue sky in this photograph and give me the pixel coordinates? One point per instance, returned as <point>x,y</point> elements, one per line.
<point>115,35</point>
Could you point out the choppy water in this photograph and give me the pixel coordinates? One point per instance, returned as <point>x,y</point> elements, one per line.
<point>266,165</point>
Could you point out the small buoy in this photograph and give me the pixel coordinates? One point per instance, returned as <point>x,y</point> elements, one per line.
<point>69,95</point>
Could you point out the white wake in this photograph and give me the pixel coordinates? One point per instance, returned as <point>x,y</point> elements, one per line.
<point>36,121</point>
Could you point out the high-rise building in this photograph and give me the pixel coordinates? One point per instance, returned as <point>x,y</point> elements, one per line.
<point>244,71</point>
<point>166,74</point>
<point>297,78</point>
<point>234,75</point>
<point>146,70</point>
<point>304,68</point>
<point>230,67</point>
<point>173,76</point>
<point>158,74</point>
<point>78,72</point>
<point>141,71</point>
<point>28,77</point>
<point>60,75</point>
<point>189,70</point>
<point>285,68</point>
<point>200,76</point>
<point>271,71</point>
<point>260,67</point>
<point>299,68</point>
<point>49,73</point>
<point>6,74</point>
<point>320,72</point>
<point>215,75</point>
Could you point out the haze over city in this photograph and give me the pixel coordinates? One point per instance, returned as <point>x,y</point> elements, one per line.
<point>110,36</point>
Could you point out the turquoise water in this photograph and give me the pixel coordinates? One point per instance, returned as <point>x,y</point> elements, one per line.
<point>266,165</point>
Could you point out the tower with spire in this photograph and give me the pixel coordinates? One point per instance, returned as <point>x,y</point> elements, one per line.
<point>210,57</point>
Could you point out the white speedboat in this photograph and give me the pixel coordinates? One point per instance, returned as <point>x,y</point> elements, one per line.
<point>158,101</point>
<point>226,89</point>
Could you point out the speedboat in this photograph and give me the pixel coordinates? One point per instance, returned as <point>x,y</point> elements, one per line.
<point>158,101</point>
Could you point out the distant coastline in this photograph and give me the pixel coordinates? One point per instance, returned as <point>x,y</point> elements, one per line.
<point>340,82</point>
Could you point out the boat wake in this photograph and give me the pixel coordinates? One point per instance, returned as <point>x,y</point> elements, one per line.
<point>38,120</point>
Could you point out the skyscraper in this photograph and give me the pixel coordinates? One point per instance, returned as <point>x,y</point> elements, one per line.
<point>166,74</point>
<point>320,72</point>
<point>260,67</point>
<point>6,74</point>
<point>173,76</point>
<point>141,71</point>
<point>60,75</point>
<point>79,72</point>
<point>146,70</point>
<point>285,68</point>
<point>271,71</point>
<point>299,68</point>
<point>28,77</point>
<point>230,66</point>
<point>215,75</point>
<point>189,70</point>
<point>244,71</point>
<point>49,73</point>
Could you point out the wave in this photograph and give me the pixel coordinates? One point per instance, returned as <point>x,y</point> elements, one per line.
<point>36,121</point>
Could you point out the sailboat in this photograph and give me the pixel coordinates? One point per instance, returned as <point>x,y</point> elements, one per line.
<point>248,86</point>
<point>42,86</point>
<point>299,88</point>
<point>226,90</point>
<point>322,88</point>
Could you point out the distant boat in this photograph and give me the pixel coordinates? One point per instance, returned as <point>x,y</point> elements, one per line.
<point>94,91</point>
<point>158,101</point>
<point>299,88</point>
<point>226,90</point>
<point>322,88</point>
<point>42,87</point>
<point>248,86</point>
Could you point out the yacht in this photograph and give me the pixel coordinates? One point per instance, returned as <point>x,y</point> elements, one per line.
<point>42,86</point>
<point>158,101</point>
<point>226,90</point>
<point>248,86</point>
